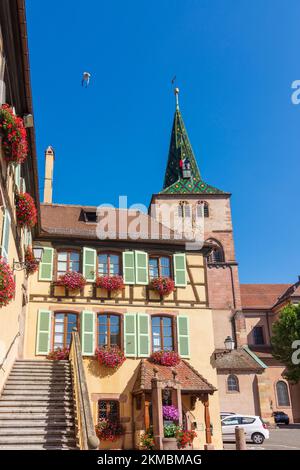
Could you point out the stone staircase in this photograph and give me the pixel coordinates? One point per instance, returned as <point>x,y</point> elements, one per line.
<point>36,407</point>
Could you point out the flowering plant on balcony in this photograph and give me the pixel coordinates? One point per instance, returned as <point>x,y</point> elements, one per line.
<point>170,413</point>
<point>147,439</point>
<point>185,438</point>
<point>111,357</point>
<point>14,140</point>
<point>163,285</point>
<point>72,280</point>
<point>110,283</point>
<point>107,430</point>
<point>25,210</point>
<point>165,358</point>
<point>32,264</point>
<point>7,283</point>
<point>59,354</point>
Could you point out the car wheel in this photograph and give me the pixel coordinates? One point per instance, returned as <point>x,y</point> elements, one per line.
<point>257,438</point>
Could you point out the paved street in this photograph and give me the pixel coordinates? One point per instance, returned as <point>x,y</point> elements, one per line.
<point>284,438</point>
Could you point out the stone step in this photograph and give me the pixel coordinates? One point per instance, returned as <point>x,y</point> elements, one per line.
<point>50,377</point>
<point>34,380</point>
<point>17,419</point>
<point>43,361</point>
<point>43,369</point>
<point>36,431</point>
<point>35,407</point>
<point>37,386</point>
<point>34,413</point>
<point>59,394</point>
<point>48,439</point>
<point>36,447</point>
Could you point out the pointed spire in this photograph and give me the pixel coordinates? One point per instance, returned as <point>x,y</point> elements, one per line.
<point>180,154</point>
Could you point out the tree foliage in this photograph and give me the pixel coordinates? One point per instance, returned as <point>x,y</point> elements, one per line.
<point>286,330</point>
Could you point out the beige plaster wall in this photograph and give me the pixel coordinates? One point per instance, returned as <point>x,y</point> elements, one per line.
<point>245,401</point>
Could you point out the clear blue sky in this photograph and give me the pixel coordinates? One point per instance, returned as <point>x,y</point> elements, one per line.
<point>234,61</point>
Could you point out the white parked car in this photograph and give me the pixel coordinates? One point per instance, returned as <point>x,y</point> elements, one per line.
<point>254,427</point>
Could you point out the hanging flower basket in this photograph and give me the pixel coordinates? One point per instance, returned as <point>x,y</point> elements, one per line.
<point>59,354</point>
<point>110,283</point>
<point>165,358</point>
<point>170,413</point>
<point>25,210</point>
<point>7,283</point>
<point>107,430</point>
<point>110,357</point>
<point>14,134</point>
<point>185,438</point>
<point>32,265</point>
<point>71,280</point>
<point>163,285</point>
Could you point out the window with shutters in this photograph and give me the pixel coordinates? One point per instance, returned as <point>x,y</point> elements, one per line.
<point>109,409</point>
<point>283,398</point>
<point>258,335</point>
<point>109,330</point>
<point>184,210</point>
<point>109,264</point>
<point>232,383</point>
<point>67,260</point>
<point>63,327</point>
<point>162,334</point>
<point>159,266</point>
<point>202,209</point>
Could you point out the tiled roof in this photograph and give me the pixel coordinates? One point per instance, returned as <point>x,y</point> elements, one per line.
<point>264,296</point>
<point>68,221</point>
<point>238,359</point>
<point>189,378</point>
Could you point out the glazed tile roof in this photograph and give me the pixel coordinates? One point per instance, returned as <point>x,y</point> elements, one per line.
<point>261,296</point>
<point>189,378</point>
<point>235,360</point>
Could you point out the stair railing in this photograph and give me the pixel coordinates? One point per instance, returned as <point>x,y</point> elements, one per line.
<point>86,429</point>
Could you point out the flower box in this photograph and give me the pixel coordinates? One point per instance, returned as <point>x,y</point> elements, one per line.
<point>59,354</point>
<point>169,443</point>
<point>14,136</point>
<point>7,283</point>
<point>110,357</point>
<point>163,285</point>
<point>25,210</point>
<point>107,430</point>
<point>72,281</point>
<point>110,283</point>
<point>165,358</point>
<point>32,265</point>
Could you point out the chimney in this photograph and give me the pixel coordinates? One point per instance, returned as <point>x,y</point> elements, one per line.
<point>48,186</point>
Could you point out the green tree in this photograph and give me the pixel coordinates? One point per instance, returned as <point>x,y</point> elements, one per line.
<point>286,330</point>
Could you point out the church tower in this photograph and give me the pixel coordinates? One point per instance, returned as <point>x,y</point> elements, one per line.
<point>185,189</point>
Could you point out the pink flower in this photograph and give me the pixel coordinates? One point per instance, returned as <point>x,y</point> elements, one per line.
<point>7,283</point>
<point>25,210</point>
<point>163,285</point>
<point>110,283</point>
<point>165,358</point>
<point>110,357</point>
<point>72,280</point>
<point>14,135</point>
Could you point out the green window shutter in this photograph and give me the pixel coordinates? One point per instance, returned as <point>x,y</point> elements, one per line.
<point>89,264</point>
<point>88,333</point>
<point>141,268</point>
<point>183,336</point>
<point>43,332</point>
<point>130,348</point>
<point>5,234</point>
<point>180,269</point>
<point>46,264</point>
<point>18,176</point>
<point>143,328</point>
<point>128,267</point>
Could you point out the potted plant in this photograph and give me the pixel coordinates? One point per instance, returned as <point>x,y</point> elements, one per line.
<point>71,280</point>
<point>147,440</point>
<point>110,283</point>
<point>32,264</point>
<point>59,354</point>
<point>169,439</point>
<point>14,137</point>
<point>185,438</point>
<point>163,285</point>
<point>165,358</point>
<point>7,283</point>
<point>25,210</point>
<point>112,357</point>
<point>109,431</point>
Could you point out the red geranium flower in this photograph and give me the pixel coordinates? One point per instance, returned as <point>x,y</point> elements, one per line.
<point>26,210</point>
<point>165,358</point>
<point>72,280</point>
<point>110,283</point>
<point>7,283</point>
<point>163,285</point>
<point>14,139</point>
<point>110,357</point>
<point>32,264</point>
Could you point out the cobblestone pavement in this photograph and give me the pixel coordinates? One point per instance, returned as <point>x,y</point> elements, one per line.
<point>283,438</point>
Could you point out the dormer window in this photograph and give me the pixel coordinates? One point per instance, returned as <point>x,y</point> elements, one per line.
<point>90,216</point>
<point>186,168</point>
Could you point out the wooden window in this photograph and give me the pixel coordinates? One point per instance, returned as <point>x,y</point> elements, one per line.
<point>109,409</point>
<point>108,264</point>
<point>159,266</point>
<point>162,334</point>
<point>63,327</point>
<point>109,330</point>
<point>283,398</point>
<point>202,209</point>
<point>258,335</point>
<point>67,261</point>
<point>232,383</point>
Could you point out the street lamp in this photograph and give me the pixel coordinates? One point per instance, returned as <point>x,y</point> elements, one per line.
<point>229,343</point>
<point>37,254</point>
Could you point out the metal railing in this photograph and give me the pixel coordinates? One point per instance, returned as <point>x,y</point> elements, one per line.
<point>86,429</point>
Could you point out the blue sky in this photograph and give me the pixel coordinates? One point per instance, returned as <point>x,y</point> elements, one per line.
<point>234,62</point>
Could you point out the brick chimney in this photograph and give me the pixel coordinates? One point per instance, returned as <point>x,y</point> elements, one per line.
<point>48,185</point>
